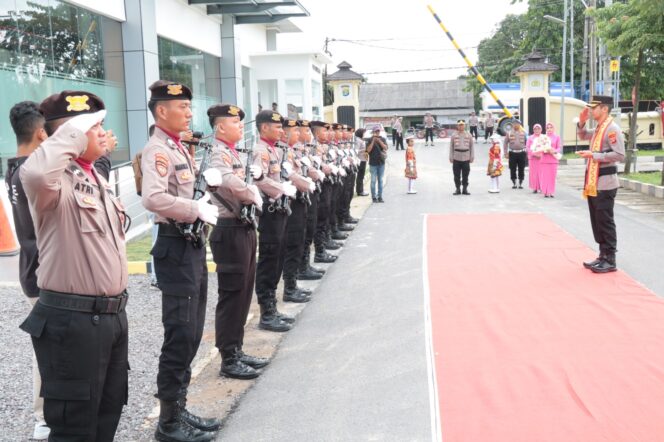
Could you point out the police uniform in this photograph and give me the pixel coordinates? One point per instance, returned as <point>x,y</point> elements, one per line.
<point>345,219</point>
<point>79,325</point>
<point>488,127</point>
<point>473,121</point>
<point>272,228</point>
<point>337,228</point>
<point>461,155</point>
<point>324,204</point>
<point>297,222</point>
<point>169,174</point>
<point>515,147</point>
<point>602,185</point>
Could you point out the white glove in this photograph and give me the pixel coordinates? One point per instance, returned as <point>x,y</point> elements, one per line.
<point>288,167</point>
<point>335,169</point>
<point>256,171</point>
<point>321,175</point>
<point>258,199</point>
<point>289,189</point>
<point>212,177</point>
<point>84,122</point>
<point>305,161</point>
<point>318,161</point>
<point>342,172</point>
<point>345,162</point>
<point>333,154</point>
<point>312,186</point>
<point>207,212</point>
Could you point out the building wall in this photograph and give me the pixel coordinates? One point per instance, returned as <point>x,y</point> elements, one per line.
<point>189,25</point>
<point>114,9</point>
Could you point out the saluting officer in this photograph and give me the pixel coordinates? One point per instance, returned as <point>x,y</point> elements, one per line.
<point>308,157</point>
<point>79,325</point>
<point>169,173</point>
<point>462,153</point>
<point>607,148</point>
<point>515,151</point>
<point>272,223</point>
<point>233,242</point>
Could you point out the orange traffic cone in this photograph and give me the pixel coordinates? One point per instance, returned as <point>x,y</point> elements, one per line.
<point>8,245</point>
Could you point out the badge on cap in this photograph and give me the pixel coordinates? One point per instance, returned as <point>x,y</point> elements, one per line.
<point>276,117</point>
<point>174,89</point>
<point>292,123</point>
<point>235,111</point>
<point>77,103</point>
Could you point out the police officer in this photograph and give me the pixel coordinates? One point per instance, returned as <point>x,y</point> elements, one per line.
<point>233,242</point>
<point>313,163</point>
<point>79,325</point>
<point>272,223</point>
<point>321,132</point>
<point>169,173</point>
<point>462,153</point>
<point>297,221</point>
<point>607,148</point>
<point>489,124</point>
<point>515,150</point>
<point>473,121</point>
<point>337,228</point>
<point>350,157</point>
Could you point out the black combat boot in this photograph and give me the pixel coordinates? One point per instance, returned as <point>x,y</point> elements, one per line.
<point>253,361</point>
<point>520,184</point>
<point>513,184</point>
<point>304,271</point>
<point>173,428</point>
<point>332,245</point>
<point>292,293</point>
<point>465,190</point>
<point>232,366</point>
<point>350,220</point>
<point>338,235</point>
<point>590,264</point>
<point>457,191</point>
<point>271,320</point>
<point>202,423</point>
<point>324,257</point>
<point>605,265</point>
<point>341,227</point>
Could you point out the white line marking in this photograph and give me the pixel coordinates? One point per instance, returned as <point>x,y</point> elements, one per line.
<point>436,433</point>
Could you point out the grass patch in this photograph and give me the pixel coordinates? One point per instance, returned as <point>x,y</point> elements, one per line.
<point>646,177</point>
<point>138,249</point>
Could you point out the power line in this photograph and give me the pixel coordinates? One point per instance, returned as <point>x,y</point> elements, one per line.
<point>360,43</point>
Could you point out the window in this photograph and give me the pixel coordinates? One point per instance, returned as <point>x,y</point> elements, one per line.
<point>294,98</point>
<point>316,100</point>
<point>47,46</point>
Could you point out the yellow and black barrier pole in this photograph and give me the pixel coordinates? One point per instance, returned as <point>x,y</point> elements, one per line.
<point>505,122</point>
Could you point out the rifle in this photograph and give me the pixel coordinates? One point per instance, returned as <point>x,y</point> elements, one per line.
<point>248,211</point>
<point>194,231</point>
<point>282,204</point>
<point>304,196</point>
<point>317,167</point>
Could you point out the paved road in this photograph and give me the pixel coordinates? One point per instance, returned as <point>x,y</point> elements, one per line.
<point>354,368</point>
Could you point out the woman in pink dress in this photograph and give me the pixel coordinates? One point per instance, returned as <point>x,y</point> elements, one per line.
<point>548,164</point>
<point>534,158</point>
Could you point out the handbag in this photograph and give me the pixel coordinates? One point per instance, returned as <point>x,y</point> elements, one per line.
<point>383,154</point>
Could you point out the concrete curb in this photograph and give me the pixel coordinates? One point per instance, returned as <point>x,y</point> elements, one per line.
<point>646,189</point>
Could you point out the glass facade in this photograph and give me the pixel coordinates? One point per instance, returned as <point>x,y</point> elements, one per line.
<point>196,69</point>
<point>47,46</point>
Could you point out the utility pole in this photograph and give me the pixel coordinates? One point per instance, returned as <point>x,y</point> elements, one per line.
<point>584,58</point>
<point>562,97</point>
<point>571,48</point>
<point>592,63</point>
<point>606,63</point>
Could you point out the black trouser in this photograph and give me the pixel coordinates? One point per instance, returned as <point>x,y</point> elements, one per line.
<point>399,138</point>
<point>337,191</point>
<point>461,170</point>
<point>473,131</point>
<point>428,133</point>
<point>488,131</point>
<point>271,248</point>
<point>345,196</point>
<point>233,245</point>
<point>83,364</point>
<point>312,219</point>
<point>324,204</point>
<point>182,273</point>
<point>602,222</point>
<point>359,180</point>
<point>517,161</point>
<point>295,231</point>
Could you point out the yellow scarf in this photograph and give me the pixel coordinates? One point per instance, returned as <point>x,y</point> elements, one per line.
<point>592,172</point>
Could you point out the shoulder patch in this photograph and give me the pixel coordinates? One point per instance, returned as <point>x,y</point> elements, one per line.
<point>227,159</point>
<point>265,156</point>
<point>613,137</point>
<point>161,163</point>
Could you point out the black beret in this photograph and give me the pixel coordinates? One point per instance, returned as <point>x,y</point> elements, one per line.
<point>336,126</point>
<point>69,104</point>
<point>317,123</point>
<point>350,129</point>
<point>291,123</point>
<point>600,99</point>
<point>225,110</point>
<point>164,90</point>
<point>304,123</point>
<point>268,116</point>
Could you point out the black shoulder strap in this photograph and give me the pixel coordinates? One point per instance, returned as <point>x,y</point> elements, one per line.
<point>226,204</point>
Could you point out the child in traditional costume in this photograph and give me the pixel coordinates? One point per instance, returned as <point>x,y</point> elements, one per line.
<point>495,168</point>
<point>411,164</point>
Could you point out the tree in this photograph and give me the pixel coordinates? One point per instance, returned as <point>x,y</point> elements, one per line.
<point>634,29</point>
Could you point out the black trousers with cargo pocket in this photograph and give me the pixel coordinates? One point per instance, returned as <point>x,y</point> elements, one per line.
<point>233,245</point>
<point>181,270</point>
<point>271,250</point>
<point>83,364</point>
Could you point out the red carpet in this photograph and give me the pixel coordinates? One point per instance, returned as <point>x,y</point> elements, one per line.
<point>530,346</point>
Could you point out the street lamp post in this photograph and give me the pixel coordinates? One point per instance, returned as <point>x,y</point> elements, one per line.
<point>564,68</point>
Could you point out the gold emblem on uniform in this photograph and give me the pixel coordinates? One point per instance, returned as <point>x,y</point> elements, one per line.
<point>77,103</point>
<point>174,89</point>
<point>89,201</point>
<point>276,117</point>
<point>235,111</point>
<point>185,175</point>
<point>276,168</point>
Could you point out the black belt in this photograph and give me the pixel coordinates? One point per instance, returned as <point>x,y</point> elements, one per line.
<point>461,150</point>
<point>232,222</point>
<point>609,170</point>
<point>169,230</point>
<point>80,303</point>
